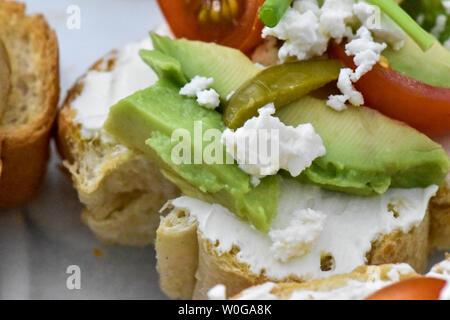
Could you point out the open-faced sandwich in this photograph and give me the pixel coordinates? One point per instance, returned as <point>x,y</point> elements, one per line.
<point>302,149</point>
<point>29,92</point>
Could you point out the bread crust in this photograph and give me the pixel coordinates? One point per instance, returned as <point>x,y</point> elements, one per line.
<point>440,219</point>
<point>283,291</point>
<point>25,148</point>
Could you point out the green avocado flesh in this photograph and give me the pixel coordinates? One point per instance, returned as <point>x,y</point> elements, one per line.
<point>431,67</point>
<point>146,121</point>
<point>230,68</point>
<point>366,152</point>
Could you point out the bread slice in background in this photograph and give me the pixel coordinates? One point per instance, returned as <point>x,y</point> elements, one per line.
<point>121,190</point>
<point>26,123</point>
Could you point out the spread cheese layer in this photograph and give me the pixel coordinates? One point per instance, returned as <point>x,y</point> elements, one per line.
<point>350,225</point>
<point>103,89</point>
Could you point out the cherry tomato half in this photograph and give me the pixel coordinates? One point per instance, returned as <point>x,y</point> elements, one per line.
<point>422,106</point>
<point>417,288</point>
<point>232,23</point>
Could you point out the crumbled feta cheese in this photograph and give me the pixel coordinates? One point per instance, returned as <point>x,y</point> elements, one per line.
<point>259,65</point>
<point>441,22</point>
<point>399,269</point>
<point>218,292</point>
<point>198,88</point>
<point>447,44</point>
<point>420,19</point>
<point>304,38</point>
<point>230,95</point>
<point>296,238</point>
<point>260,292</point>
<point>196,85</point>
<point>442,271</point>
<point>255,181</point>
<point>445,292</point>
<point>446,4</point>
<point>264,145</point>
<point>366,52</point>
<point>307,28</point>
<point>335,14</point>
<point>345,85</point>
<point>208,99</point>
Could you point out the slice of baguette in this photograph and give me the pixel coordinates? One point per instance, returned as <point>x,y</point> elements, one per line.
<point>189,264</point>
<point>122,191</point>
<point>357,285</point>
<point>26,123</point>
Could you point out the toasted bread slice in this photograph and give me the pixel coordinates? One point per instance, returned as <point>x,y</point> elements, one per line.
<point>26,122</point>
<point>357,285</point>
<point>194,255</point>
<point>122,191</point>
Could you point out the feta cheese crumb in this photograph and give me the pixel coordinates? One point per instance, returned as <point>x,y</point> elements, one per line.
<point>196,85</point>
<point>335,14</point>
<point>441,22</point>
<point>264,145</point>
<point>307,28</point>
<point>300,28</point>
<point>230,95</point>
<point>447,44</point>
<point>296,239</point>
<point>366,54</point>
<point>399,269</point>
<point>255,181</point>
<point>445,292</point>
<point>218,292</point>
<point>442,271</point>
<point>208,99</point>
<point>345,85</point>
<point>260,292</point>
<point>198,88</point>
<point>420,19</point>
<point>446,4</point>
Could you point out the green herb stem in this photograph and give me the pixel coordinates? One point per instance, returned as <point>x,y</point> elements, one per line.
<point>272,11</point>
<point>423,39</point>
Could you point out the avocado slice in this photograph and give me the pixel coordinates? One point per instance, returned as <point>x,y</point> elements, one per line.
<point>229,67</point>
<point>146,121</point>
<point>164,66</point>
<point>431,67</point>
<point>366,152</point>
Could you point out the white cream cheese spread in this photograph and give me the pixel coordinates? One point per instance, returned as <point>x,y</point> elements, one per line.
<point>103,89</point>
<point>351,224</point>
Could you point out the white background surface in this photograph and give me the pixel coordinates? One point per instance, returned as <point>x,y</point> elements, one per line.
<point>38,242</point>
